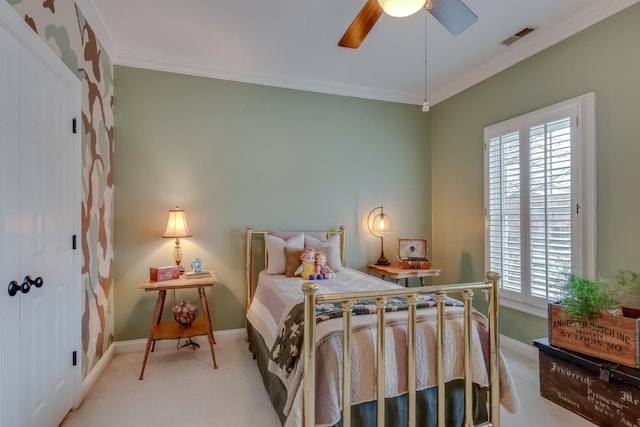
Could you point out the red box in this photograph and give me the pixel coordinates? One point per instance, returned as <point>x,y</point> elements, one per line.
<point>160,274</point>
<point>415,264</point>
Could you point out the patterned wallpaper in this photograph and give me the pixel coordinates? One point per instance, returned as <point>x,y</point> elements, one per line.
<point>60,24</point>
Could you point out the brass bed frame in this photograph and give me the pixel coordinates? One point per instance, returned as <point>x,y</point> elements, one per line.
<point>466,289</point>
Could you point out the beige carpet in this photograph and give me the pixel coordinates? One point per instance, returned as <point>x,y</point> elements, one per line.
<point>181,389</point>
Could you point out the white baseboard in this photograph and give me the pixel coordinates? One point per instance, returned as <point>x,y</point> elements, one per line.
<point>130,346</point>
<point>518,347</point>
<point>95,373</point>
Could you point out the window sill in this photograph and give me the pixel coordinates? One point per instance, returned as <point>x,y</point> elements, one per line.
<point>524,307</point>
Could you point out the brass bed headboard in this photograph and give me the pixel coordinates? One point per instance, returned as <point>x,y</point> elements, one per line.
<point>251,234</point>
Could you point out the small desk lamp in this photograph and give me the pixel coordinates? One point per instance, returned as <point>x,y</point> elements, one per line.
<point>380,224</point>
<point>177,228</point>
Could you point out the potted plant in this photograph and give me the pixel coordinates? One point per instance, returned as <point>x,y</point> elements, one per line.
<point>589,320</point>
<point>587,298</point>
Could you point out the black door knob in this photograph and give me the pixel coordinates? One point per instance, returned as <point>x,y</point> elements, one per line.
<point>13,288</point>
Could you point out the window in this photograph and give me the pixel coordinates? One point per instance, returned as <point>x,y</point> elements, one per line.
<point>540,184</point>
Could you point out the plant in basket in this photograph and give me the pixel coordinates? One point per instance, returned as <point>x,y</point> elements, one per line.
<point>589,320</point>
<point>586,298</point>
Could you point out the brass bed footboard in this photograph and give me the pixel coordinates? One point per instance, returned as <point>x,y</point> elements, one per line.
<point>309,349</point>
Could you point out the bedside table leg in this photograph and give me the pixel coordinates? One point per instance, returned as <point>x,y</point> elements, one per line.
<point>157,314</point>
<point>207,322</point>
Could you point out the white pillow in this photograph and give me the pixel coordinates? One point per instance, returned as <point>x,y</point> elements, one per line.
<point>276,259</point>
<point>330,247</point>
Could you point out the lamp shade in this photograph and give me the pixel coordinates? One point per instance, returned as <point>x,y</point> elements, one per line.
<point>401,8</point>
<point>381,223</point>
<point>177,224</point>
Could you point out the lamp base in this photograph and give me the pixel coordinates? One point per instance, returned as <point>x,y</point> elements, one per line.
<point>177,255</point>
<point>382,261</point>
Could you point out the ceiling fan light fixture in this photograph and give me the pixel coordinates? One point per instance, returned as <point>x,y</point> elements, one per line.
<point>401,8</point>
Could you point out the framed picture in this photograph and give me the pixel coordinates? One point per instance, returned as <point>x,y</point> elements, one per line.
<point>412,249</point>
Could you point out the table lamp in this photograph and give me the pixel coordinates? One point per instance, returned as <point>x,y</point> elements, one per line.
<point>378,225</point>
<point>177,228</point>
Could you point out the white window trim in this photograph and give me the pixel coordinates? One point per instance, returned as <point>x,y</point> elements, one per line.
<point>584,165</point>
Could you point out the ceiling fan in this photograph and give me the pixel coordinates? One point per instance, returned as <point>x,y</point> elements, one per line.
<point>454,15</point>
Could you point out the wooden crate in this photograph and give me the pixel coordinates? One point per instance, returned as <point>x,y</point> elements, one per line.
<point>602,392</point>
<point>609,337</point>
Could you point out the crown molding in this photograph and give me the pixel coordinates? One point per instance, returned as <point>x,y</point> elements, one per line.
<point>326,87</point>
<point>93,15</point>
<point>530,46</point>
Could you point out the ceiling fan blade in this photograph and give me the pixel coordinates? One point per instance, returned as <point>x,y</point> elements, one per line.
<point>454,15</point>
<point>361,25</point>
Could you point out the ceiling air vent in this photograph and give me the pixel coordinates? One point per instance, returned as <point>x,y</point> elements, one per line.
<point>517,36</point>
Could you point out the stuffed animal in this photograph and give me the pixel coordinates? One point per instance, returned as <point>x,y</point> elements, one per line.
<point>307,270</point>
<point>322,268</point>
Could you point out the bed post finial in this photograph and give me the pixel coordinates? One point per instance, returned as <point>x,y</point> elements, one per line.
<point>309,287</point>
<point>492,276</point>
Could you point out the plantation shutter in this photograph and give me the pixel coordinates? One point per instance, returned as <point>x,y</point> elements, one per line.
<point>549,206</point>
<point>504,209</point>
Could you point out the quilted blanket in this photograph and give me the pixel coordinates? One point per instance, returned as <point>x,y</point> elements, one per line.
<point>288,345</point>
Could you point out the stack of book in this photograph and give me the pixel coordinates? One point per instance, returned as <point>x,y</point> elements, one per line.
<point>196,274</point>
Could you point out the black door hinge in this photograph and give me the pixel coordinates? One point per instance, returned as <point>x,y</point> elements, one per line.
<point>74,126</point>
<point>75,358</point>
<point>73,242</point>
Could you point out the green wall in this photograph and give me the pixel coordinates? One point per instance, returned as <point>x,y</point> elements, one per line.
<point>605,59</point>
<point>235,154</point>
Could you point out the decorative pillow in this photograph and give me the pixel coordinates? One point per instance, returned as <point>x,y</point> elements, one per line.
<point>276,261</point>
<point>330,247</point>
<point>292,256</point>
<point>286,235</point>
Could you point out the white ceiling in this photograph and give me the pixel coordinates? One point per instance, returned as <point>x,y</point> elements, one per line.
<point>293,43</point>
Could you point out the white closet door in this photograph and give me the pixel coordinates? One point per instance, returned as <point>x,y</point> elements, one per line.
<point>9,232</point>
<point>38,328</point>
<point>47,213</point>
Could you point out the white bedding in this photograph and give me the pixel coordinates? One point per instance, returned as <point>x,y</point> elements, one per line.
<point>276,295</point>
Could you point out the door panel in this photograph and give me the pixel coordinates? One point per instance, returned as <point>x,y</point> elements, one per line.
<point>47,204</point>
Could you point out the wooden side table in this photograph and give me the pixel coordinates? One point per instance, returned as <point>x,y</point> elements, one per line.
<point>396,273</point>
<point>172,330</point>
